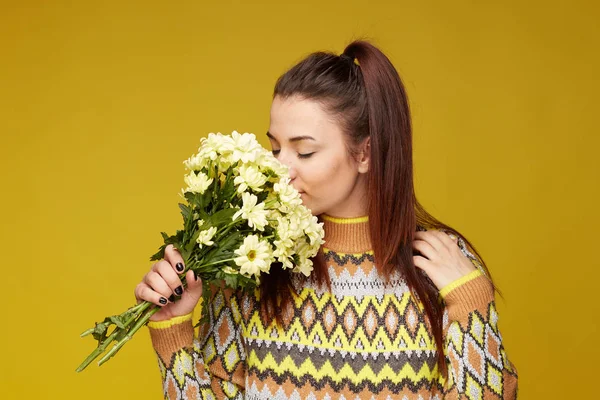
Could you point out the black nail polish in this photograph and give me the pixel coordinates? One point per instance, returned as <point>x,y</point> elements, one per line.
<point>162,301</point>
<point>172,298</point>
<point>179,267</point>
<point>178,291</point>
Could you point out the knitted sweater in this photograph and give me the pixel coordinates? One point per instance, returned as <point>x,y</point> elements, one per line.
<point>363,339</point>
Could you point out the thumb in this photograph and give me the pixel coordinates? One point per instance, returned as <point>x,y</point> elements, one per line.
<point>193,291</point>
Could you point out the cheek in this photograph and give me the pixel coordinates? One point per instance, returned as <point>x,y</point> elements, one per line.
<point>322,177</point>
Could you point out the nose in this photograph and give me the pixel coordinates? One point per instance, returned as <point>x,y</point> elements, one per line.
<point>287,160</point>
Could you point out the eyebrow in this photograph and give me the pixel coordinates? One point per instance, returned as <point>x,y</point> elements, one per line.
<point>295,138</point>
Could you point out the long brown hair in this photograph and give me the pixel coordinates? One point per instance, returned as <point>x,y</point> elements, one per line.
<point>369,100</point>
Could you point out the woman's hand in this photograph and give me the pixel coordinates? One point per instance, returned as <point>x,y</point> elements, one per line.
<point>163,283</point>
<point>441,258</point>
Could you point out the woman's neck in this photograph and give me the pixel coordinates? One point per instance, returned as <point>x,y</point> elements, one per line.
<point>346,235</point>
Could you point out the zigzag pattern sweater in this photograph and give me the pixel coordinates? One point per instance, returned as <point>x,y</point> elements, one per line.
<point>364,339</point>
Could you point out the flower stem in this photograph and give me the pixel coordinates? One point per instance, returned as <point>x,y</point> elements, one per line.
<point>141,322</point>
<point>137,315</point>
<point>97,351</point>
<point>137,311</point>
<point>218,262</point>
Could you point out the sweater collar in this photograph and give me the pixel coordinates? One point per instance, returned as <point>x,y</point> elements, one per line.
<point>346,235</point>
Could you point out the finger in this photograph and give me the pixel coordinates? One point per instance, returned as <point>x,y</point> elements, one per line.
<point>425,249</point>
<point>192,280</point>
<point>169,275</point>
<point>446,238</point>
<point>194,286</point>
<point>145,293</point>
<point>432,238</point>
<point>423,263</point>
<point>158,284</point>
<point>174,258</point>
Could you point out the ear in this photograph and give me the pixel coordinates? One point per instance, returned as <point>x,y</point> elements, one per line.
<point>364,156</point>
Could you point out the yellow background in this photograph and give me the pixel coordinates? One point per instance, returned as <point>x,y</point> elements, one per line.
<point>102,101</point>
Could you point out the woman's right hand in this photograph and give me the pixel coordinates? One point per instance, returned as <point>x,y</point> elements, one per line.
<point>163,282</point>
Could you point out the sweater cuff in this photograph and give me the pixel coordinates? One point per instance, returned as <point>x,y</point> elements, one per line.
<point>171,335</point>
<point>473,291</point>
<point>169,322</point>
<point>458,282</point>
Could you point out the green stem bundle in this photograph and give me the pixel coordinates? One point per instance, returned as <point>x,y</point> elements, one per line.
<point>129,322</point>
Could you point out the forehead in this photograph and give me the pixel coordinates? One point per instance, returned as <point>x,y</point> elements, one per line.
<point>295,116</point>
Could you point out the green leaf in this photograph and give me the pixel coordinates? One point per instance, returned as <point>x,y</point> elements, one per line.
<point>231,242</point>
<point>99,332</point>
<point>191,242</point>
<point>231,280</point>
<point>228,188</point>
<point>224,249</point>
<point>175,240</point>
<point>222,217</point>
<point>185,210</point>
<point>206,300</point>
<point>115,319</point>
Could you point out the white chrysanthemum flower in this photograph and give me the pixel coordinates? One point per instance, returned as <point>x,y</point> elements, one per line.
<point>254,213</point>
<point>224,162</point>
<point>254,256</point>
<point>197,183</point>
<point>302,249</point>
<point>288,196</point>
<point>249,177</point>
<point>314,231</point>
<point>267,161</point>
<point>305,267</point>
<point>294,224</point>
<point>272,204</point>
<point>215,145</point>
<point>195,163</point>
<point>283,253</point>
<point>284,244</point>
<point>215,148</point>
<point>245,147</point>
<point>205,237</point>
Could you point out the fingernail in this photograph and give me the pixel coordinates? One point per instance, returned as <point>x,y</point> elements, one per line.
<point>172,298</point>
<point>162,301</point>
<point>179,267</point>
<point>178,291</point>
<point>195,276</point>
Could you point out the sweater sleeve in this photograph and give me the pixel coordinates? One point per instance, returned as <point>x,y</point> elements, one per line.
<point>210,366</point>
<point>478,366</point>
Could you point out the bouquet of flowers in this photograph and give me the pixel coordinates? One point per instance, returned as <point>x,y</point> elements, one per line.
<point>241,218</point>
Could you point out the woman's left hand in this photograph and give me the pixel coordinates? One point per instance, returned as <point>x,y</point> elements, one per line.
<point>441,258</point>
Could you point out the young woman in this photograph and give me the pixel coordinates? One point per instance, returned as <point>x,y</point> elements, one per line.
<point>399,305</point>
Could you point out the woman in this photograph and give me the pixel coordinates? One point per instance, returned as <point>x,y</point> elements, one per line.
<point>399,304</point>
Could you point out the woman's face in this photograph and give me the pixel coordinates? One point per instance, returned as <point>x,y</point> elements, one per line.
<point>311,144</point>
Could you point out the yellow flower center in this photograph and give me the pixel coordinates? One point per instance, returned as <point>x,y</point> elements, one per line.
<point>251,255</point>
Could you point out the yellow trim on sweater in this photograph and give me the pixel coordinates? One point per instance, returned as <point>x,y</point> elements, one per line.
<point>169,322</point>
<point>459,282</point>
<point>356,255</point>
<point>346,220</point>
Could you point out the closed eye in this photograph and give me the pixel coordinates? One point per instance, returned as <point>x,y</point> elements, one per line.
<point>307,155</point>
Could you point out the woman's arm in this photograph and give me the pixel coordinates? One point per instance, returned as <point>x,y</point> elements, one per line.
<point>477,360</point>
<point>211,366</point>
